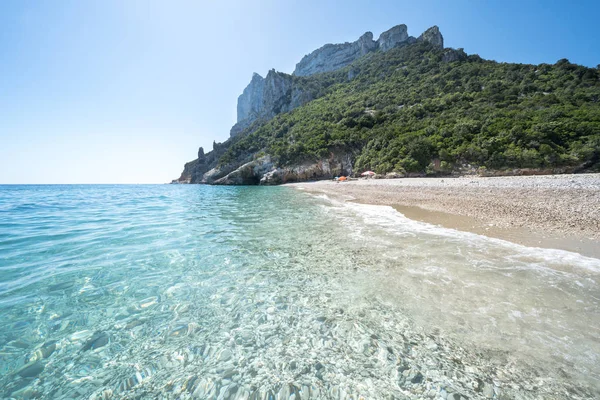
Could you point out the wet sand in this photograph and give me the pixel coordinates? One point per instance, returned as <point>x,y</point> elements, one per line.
<point>554,211</point>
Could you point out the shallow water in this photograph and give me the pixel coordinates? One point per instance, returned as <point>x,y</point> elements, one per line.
<point>249,292</point>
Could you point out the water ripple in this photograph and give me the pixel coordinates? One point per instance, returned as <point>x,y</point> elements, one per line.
<point>233,292</point>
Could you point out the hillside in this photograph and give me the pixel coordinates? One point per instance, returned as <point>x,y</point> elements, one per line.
<point>412,107</point>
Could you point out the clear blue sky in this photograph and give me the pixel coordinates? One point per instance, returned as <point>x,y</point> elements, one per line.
<point>124,91</point>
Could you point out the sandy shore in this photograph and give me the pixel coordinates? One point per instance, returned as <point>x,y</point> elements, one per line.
<point>554,211</point>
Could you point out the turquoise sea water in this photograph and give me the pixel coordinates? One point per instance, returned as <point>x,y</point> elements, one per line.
<point>174,291</point>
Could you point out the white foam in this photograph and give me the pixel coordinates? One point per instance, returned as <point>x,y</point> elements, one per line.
<point>397,224</point>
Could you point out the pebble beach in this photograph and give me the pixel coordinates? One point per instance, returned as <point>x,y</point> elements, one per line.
<point>559,209</point>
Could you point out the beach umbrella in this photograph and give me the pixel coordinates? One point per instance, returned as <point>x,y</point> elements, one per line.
<point>367,173</point>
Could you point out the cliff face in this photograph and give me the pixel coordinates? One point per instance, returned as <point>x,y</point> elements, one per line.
<point>335,56</point>
<point>194,171</point>
<point>263,171</point>
<point>433,36</point>
<point>264,98</point>
<point>250,102</point>
<point>391,38</point>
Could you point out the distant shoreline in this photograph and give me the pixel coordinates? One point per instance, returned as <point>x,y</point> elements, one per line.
<point>549,211</point>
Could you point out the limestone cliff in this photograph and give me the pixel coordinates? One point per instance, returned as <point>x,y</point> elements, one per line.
<point>194,171</point>
<point>250,102</point>
<point>335,56</point>
<point>277,93</point>
<point>263,171</point>
<point>392,37</point>
<point>452,55</point>
<point>264,98</point>
<point>433,36</point>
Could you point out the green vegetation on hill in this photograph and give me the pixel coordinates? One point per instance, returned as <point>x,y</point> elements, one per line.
<point>405,108</point>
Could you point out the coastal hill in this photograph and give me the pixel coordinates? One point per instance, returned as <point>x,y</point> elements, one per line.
<point>406,106</point>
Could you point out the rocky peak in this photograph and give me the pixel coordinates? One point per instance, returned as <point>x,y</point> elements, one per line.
<point>264,98</point>
<point>250,100</point>
<point>433,36</point>
<point>277,87</point>
<point>217,146</point>
<point>392,37</point>
<point>261,94</point>
<point>335,56</point>
<point>366,43</point>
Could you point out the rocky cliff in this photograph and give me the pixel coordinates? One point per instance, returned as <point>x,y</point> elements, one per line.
<point>264,171</point>
<point>406,106</point>
<point>335,56</point>
<point>250,103</point>
<point>433,36</point>
<point>392,37</point>
<point>194,171</point>
<point>264,98</point>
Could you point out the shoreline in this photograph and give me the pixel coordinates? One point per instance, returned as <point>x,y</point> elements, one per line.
<point>548,211</point>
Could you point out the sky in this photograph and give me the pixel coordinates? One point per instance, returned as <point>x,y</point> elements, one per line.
<point>114,91</point>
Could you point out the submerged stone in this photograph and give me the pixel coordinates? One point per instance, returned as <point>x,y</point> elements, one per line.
<point>80,335</point>
<point>43,352</point>
<point>31,370</point>
<point>179,331</point>
<point>135,322</point>
<point>225,355</point>
<point>99,339</point>
<point>60,286</point>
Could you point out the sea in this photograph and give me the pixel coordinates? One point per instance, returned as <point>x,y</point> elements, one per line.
<point>193,291</point>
